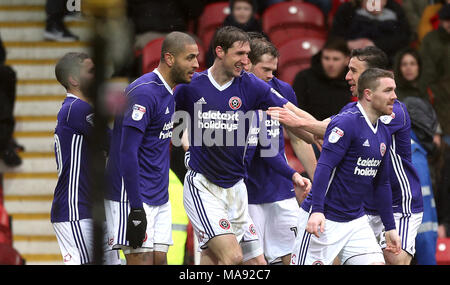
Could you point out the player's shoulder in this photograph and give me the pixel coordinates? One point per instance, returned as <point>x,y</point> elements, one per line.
<point>284,88</point>
<point>149,84</point>
<point>250,79</point>
<point>74,109</point>
<point>348,113</point>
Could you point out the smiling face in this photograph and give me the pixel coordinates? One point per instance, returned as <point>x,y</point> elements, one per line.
<point>355,68</point>
<point>185,64</point>
<point>235,58</point>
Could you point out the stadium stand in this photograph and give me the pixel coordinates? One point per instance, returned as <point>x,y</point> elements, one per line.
<point>212,17</point>
<point>287,20</point>
<point>295,55</point>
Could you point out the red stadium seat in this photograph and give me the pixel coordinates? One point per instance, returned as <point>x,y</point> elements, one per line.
<point>211,18</point>
<point>443,251</point>
<point>295,55</point>
<point>151,55</point>
<point>287,20</point>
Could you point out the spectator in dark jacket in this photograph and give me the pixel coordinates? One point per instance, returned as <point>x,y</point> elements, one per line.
<point>322,89</point>
<point>8,146</point>
<point>363,23</point>
<point>407,70</point>
<point>242,15</point>
<point>155,18</point>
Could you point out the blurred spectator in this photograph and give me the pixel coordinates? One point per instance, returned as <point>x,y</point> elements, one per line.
<point>435,50</point>
<point>154,18</point>
<point>55,30</point>
<point>423,126</point>
<point>429,20</point>
<point>8,146</point>
<point>363,23</point>
<point>322,89</point>
<point>407,70</point>
<point>414,10</point>
<point>242,15</point>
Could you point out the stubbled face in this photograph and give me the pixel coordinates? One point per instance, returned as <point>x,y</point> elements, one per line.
<point>235,58</point>
<point>265,68</point>
<point>383,97</point>
<point>185,64</point>
<point>334,63</point>
<point>355,69</point>
<point>409,67</point>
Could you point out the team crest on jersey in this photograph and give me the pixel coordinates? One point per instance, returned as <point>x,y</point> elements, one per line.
<point>386,119</point>
<point>67,257</point>
<point>138,112</point>
<point>224,224</point>
<point>335,135</point>
<point>382,149</point>
<point>252,229</point>
<point>235,103</point>
<point>317,262</point>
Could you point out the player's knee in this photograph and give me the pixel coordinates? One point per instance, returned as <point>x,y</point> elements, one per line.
<point>231,258</point>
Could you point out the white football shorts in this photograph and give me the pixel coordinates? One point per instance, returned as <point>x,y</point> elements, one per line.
<point>353,242</point>
<point>158,236</point>
<point>76,242</point>
<point>407,226</point>
<point>214,210</point>
<point>276,224</point>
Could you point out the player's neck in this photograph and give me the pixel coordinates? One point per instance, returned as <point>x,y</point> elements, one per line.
<point>165,73</point>
<point>371,113</point>
<point>219,74</point>
<point>79,94</point>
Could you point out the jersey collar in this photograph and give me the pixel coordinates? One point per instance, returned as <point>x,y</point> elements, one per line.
<point>215,84</point>
<point>71,95</point>
<point>361,109</point>
<point>163,81</point>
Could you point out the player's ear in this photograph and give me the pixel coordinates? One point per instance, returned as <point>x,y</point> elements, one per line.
<point>169,59</point>
<point>219,52</point>
<point>367,94</point>
<point>73,81</point>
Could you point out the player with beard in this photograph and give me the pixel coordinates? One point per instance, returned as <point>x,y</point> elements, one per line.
<point>137,207</point>
<point>354,164</point>
<point>404,180</point>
